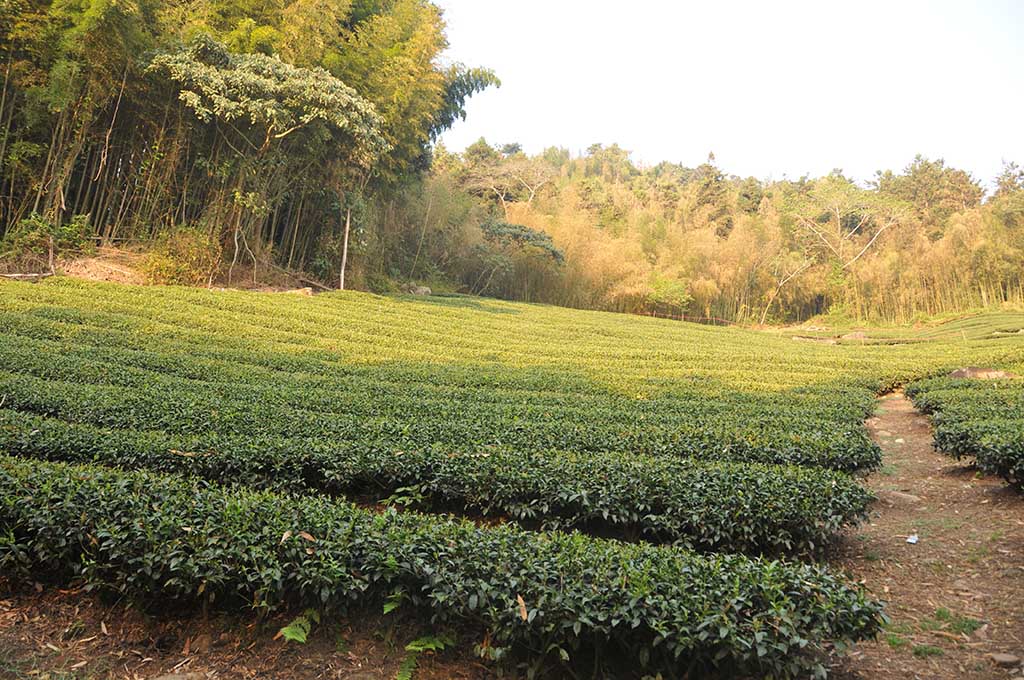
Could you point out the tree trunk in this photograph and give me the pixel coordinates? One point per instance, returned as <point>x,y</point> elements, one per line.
<point>344,249</point>
<point>3,105</point>
<point>295,229</point>
<point>423,234</point>
<point>778,289</point>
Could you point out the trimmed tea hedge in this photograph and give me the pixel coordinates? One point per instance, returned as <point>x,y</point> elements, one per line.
<point>979,419</point>
<point>709,506</point>
<point>160,539</point>
<point>132,390</point>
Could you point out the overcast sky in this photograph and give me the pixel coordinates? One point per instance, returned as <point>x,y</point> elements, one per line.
<point>774,89</point>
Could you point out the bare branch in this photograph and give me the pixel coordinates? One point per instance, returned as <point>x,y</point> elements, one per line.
<point>809,225</point>
<point>878,233</point>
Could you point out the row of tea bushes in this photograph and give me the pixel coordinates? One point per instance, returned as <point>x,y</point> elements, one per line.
<point>366,328</point>
<point>400,388</point>
<point>161,539</point>
<point>729,507</point>
<point>107,394</point>
<point>977,419</point>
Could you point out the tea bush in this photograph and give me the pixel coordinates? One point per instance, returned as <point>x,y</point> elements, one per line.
<point>979,419</point>
<point>708,506</point>
<point>161,540</point>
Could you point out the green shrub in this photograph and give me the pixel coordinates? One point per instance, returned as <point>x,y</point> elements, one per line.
<point>925,651</point>
<point>185,256</point>
<point>161,540</point>
<point>379,284</point>
<point>979,419</point>
<point>30,241</point>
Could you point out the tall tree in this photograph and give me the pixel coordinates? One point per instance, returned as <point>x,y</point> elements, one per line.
<point>836,222</point>
<point>934,190</point>
<point>276,119</point>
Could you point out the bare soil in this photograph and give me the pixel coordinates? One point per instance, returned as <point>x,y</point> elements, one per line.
<point>118,265</point>
<point>957,594</point>
<point>55,634</point>
<point>125,265</point>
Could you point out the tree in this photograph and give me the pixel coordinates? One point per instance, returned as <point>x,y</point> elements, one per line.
<point>511,149</point>
<point>840,221</point>
<point>611,163</point>
<point>460,84</point>
<point>1008,201</point>
<point>668,292</point>
<point>836,223</point>
<point>311,30</point>
<point>1010,180</point>
<point>749,195</point>
<point>710,196</point>
<point>934,190</point>
<point>390,59</point>
<point>505,243</point>
<point>265,111</point>
<point>481,153</point>
<point>788,266</point>
<point>506,178</point>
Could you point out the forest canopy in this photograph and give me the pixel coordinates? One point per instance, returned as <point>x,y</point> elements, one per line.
<point>698,242</point>
<point>263,125</point>
<point>233,135</point>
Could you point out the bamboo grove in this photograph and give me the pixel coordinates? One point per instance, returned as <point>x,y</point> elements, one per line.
<point>260,127</point>
<point>698,242</point>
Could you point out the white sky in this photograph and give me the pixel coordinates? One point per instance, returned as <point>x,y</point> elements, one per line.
<point>773,88</point>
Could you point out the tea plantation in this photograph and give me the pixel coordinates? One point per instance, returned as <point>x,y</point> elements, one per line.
<point>575,486</point>
<point>979,420</point>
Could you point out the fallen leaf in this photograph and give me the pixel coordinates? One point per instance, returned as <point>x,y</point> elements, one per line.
<point>522,607</point>
<point>307,536</point>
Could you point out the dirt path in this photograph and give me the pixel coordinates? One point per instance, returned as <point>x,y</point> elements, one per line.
<point>957,595</point>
